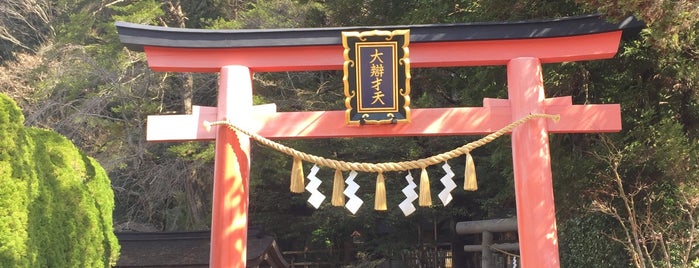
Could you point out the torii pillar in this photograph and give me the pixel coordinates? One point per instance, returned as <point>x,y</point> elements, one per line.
<point>229,221</point>
<point>532,165</point>
<point>523,47</point>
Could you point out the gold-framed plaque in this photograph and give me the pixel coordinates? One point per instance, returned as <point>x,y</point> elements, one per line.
<point>376,77</point>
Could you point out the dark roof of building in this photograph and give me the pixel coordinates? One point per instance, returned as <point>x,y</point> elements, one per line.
<point>189,249</point>
<point>136,36</point>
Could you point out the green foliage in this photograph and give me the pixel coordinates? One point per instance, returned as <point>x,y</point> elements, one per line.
<point>280,14</point>
<point>587,243</point>
<point>659,168</point>
<point>88,88</point>
<point>55,202</point>
<point>143,12</point>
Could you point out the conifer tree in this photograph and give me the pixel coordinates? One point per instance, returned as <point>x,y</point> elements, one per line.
<point>55,202</point>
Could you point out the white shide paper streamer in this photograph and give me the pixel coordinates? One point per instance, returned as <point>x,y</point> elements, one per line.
<point>410,196</point>
<point>316,197</point>
<point>354,201</point>
<point>449,184</point>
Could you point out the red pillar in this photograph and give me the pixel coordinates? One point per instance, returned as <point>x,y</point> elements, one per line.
<point>536,215</point>
<point>231,171</point>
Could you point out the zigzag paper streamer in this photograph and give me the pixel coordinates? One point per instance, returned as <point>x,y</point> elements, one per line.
<point>316,197</point>
<point>354,202</point>
<point>410,196</point>
<point>449,184</point>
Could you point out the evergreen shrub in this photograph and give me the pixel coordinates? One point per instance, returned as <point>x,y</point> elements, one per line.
<point>55,202</point>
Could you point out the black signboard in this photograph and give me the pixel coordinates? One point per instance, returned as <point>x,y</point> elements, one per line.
<point>377,76</point>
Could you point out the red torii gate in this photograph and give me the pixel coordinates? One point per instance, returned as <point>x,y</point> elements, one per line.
<point>522,46</point>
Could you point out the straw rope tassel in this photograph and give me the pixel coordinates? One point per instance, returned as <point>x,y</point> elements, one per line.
<point>380,198</point>
<point>297,180</point>
<point>425,195</point>
<point>470,182</point>
<point>338,199</point>
<point>382,167</point>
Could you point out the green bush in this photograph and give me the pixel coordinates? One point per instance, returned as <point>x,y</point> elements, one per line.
<point>585,243</point>
<point>55,202</point>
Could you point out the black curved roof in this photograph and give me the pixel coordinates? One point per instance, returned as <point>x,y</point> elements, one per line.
<point>190,249</point>
<point>136,36</point>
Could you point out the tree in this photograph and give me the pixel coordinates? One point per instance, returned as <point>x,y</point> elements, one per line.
<point>641,182</point>
<point>55,202</point>
<point>657,220</point>
<point>78,80</point>
<point>24,26</point>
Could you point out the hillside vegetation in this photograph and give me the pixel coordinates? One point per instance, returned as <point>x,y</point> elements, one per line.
<point>622,199</point>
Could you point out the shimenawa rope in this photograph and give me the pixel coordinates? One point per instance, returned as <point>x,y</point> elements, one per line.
<point>385,166</point>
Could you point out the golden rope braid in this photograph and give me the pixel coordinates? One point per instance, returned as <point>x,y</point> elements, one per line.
<point>338,197</point>
<point>386,166</point>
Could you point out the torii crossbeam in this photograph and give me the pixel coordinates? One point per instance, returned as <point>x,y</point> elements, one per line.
<point>522,46</point>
